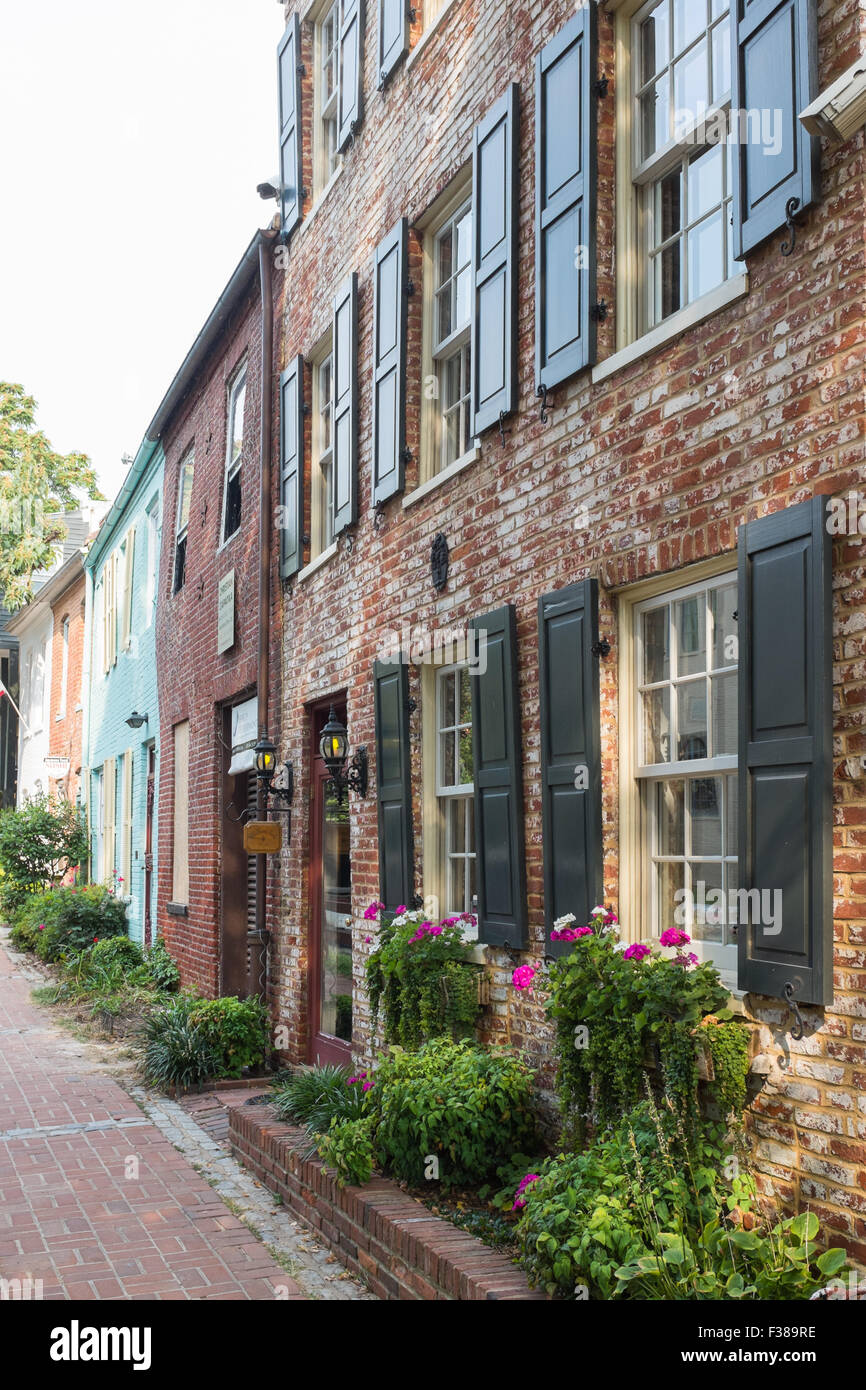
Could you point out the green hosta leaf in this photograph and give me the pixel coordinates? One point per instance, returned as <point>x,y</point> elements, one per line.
<point>806,1226</point>
<point>831,1262</point>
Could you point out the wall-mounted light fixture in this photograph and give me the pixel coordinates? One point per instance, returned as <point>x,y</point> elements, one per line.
<point>334,748</point>
<point>265,755</point>
<point>136,720</point>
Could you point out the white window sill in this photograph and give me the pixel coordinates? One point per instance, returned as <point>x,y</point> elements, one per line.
<point>677,324</point>
<point>224,545</point>
<point>440,479</point>
<point>317,564</point>
<point>430,31</point>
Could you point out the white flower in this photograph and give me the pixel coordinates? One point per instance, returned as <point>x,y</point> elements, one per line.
<point>598,911</point>
<point>565,921</point>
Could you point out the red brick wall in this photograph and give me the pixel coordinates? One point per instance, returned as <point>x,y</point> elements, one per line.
<point>758,408</point>
<point>194,680</point>
<point>64,734</point>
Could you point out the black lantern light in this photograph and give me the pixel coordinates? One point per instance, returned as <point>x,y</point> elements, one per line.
<point>334,748</point>
<point>265,756</point>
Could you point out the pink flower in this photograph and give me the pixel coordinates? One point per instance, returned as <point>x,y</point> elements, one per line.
<point>373,911</point>
<point>637,951</point>
<point>367,940</point>
<point>610,918</point>
<point>674,937</point>
<point>352,1080</point>
<point>368,1086</point>
<point>523,977</point>
<point>42,926</point>
<point>519,1202</point>
<point>401,910</point>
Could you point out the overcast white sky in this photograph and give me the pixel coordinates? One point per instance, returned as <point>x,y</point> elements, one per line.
<point>133,137</point>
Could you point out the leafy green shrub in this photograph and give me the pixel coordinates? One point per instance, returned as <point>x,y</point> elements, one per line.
<point>162,967</point>
<point>176,1051</point>
<point>647,1212</point>
<point>74,918</point>
<point>39,843</point>
<point>236,1030</point>
<point>312,1092</point>
<point>348,1146</point>
<point>421,977</point>
<point>471,1107</point>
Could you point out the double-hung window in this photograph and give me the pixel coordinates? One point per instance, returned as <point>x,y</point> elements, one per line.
<point>450,257</point>
<point>326,42</point>
<point>455,788</point>
<point>184,501</point>
<point>322,489</point>
<point>234,455</point>
<point>64,667</point>
<point>686,653</point>
<point>682,166</point>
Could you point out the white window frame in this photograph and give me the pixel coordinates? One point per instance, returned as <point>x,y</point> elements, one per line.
<point>637,897</point>
<point>181,532</point>
<point>237,386</point>
<point>634,333</point>
<point>64,666</point>
<point>322,462</point>
<point>446,210</point>
<point>327,160</point>
<point>153,546</point>
<point>98,874</point>
<point>444,792</point>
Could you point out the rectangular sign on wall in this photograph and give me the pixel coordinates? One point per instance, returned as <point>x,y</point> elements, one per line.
<point>263,837</point>
<point>226,612</point>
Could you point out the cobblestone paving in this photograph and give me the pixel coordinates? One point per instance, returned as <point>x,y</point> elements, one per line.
<point>98,1203</point>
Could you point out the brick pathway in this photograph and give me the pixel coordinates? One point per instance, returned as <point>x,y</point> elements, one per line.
<point>94,1200</point>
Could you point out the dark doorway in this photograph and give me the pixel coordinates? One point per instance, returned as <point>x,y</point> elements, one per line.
<point>150,754</point>
<point>238,872</point>
<point>330,972</point>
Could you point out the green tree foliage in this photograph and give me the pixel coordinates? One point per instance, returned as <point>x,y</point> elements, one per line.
<point>36,484</point>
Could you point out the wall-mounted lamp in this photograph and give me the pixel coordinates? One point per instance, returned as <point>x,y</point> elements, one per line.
<point>265,755</point>
<point>136,720</point>
<point>334,748</point>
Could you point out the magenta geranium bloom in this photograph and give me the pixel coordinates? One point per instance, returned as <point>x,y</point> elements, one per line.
<point>674,937</point>
<point>523,977</point>
<point>637,951</point>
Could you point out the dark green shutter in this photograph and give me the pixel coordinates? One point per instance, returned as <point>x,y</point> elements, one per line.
<point>393,36</point>
<point>393,785</point>
<point>499,849</point>
<point>350,98</point>
<point>570,743</point>
<point>288,60</point>
<point>785,628</point>
<point>775,74</point>
<point>389,363</point>
<point>292,468</point>
<point>345,357</point>
<point>494,252</point>
<point>565,201</point>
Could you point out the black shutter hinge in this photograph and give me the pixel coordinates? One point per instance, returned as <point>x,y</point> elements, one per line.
<point>502,430</point>
<point>411,705</point>
<point>306,408</point>
<point>406,455</point>
<point>412,13</point>
<point>541,393</point>
<point>301,69</point>
<point>306,539</point>
<point>790,211</point>
<point>379,517</point>
<point>601,649</point>
<point>410,288</point>
<point>601,85</point>
<point>599,311</point>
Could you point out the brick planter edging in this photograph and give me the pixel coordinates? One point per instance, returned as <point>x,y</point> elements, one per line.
<point>377,1231</point>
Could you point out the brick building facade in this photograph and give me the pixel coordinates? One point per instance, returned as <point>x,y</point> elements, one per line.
<point>705,406</point>
<point>65,710</point>
<point>207,653</point>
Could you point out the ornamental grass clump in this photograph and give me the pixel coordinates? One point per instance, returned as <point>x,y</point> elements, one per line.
<point>420,977</point>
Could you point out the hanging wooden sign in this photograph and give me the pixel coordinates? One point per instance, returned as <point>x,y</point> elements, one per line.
<point>263,837</point>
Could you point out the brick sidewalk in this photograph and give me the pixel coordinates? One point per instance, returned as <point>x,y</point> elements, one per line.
<point>94,1201</point>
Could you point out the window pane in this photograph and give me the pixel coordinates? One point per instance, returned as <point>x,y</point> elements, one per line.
<point>456,824</point>
<point>705,810</point>
<point>444,319</point>
<point>721,61</point>
<point>706,257</point>
<point>465,696</point>
<point>656,653</point>
<point>669,287</point>
<point>709,919</point>
<point>449,759</point>
<point>447,687</point>
<point>655,42</point>
<point>238,424</point>
<point>466,770</point>
<point>691,621</point>
<point>463,234</point>
<point>731,805</point>
<point>692,720</point>
<point>723,606</point>
<point>655,117</point>
<point>670,812</point>
<point>444,256</point>
<point>705,182</point>
<point>657,722</point>
<point>669,206</point>
<point>690,85</point>
<point>724,715</point>
<point>669,882</point>
<point>690,19</point>
<point>453,379</point>
<point>451,449</point>
<point>463,299</point>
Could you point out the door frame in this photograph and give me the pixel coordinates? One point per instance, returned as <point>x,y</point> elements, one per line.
<point>321,1047</point>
